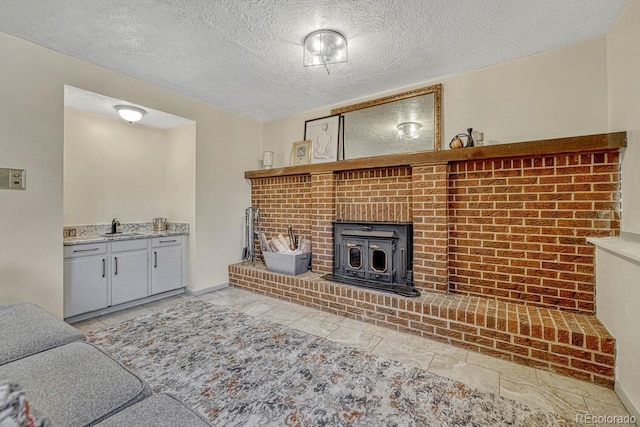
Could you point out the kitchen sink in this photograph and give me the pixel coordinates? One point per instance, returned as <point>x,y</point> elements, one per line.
<point>120,234</point>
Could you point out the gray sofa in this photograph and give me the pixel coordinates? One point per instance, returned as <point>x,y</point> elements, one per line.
<point>71,382</point>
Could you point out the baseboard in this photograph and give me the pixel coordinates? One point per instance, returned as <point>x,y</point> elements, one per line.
<point>206,290</point>
<point>626,401</point>
<point>123,306</point>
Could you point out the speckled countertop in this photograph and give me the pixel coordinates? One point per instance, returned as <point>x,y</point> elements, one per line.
<point>95,233</point>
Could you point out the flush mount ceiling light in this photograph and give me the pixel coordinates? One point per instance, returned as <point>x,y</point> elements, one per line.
<point>324,47</point>
<point>130,113</point>
<point>408,130</point>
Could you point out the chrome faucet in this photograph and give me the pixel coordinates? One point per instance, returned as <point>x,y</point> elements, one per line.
<point>114,225</point>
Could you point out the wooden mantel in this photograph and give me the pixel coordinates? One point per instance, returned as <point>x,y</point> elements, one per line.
<point>541,148</point>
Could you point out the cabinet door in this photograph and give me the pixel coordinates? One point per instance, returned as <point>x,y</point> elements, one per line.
<point>85,285</point>
<point>129,278</point>
<point>166,269</point>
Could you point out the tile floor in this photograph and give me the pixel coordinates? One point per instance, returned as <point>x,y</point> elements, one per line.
<point>536,388</point>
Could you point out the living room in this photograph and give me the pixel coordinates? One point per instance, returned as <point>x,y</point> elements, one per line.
<point>583,89</point>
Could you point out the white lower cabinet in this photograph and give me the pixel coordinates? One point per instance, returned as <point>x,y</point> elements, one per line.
<point>85,279</point>
<point>166,273</point>
<point>100,275</point>
<point>129,270</point>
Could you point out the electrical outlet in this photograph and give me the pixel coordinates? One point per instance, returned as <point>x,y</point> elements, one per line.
<point>69,232</point>
<point>12,179</point>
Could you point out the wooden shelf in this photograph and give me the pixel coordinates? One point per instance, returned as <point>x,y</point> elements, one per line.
<point>541,148</point>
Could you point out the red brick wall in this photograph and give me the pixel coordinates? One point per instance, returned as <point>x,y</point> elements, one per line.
<point>283,201</point>
<point>511,230</point>
<point>374,195</point>
<point>430,245</point>
<point>323,213</point>
<point>518,227</point>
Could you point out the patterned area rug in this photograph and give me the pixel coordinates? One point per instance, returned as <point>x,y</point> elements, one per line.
<point>238,370</point>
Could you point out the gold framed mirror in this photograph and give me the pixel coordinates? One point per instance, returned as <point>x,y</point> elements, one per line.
<point>406,122</point>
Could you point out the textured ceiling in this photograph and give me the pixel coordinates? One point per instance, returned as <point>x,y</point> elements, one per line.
<point>245,56</point>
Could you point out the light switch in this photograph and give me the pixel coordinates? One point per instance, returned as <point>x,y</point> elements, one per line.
<point>12,179</point>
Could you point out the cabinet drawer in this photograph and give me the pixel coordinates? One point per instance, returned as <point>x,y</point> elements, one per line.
<point>129,245</point>
<point>158,242</point>
<point>75,251</point>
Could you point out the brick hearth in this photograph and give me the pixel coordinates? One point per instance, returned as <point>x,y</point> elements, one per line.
<point>572,344</point>
<point>500,250</point>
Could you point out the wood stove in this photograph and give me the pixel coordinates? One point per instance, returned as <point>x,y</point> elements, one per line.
<point>375,255</point>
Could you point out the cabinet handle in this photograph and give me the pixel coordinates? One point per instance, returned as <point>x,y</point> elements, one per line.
<point>168,241</point>
<point>85,250</point>
<point>155,259</point>
<point>116,260</point>
<point>104,267</point>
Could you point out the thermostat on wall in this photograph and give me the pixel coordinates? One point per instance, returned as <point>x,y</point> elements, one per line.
<point>12,179</point>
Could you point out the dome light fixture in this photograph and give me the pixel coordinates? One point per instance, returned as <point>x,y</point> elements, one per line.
<point>130,113</point>
<point>408,130</point>
<point>324,47</point>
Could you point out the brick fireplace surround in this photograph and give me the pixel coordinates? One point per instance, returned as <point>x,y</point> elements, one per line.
<point>500,251</point>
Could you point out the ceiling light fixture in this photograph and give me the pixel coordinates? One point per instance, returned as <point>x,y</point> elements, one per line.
<point>130,113</point>
<point>408,130</point>
<point>324,47</point>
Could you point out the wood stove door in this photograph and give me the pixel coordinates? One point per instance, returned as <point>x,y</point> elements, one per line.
<point>380,258</point>
<point>354,257</point>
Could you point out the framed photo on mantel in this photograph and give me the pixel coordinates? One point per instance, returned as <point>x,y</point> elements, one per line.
<point>301,153</point>
<point>324,134</point>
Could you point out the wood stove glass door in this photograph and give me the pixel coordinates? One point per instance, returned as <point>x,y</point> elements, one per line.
<point>380,260</point>
<point>355,257</point>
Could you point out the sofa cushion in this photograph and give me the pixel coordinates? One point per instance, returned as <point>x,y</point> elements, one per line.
<point>75,384</point>
<point>27,329</point>
<point>11,304</point>
<point>159,410</point>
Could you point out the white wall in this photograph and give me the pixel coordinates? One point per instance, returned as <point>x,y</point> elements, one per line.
<point>550,95</point>
<point>618,287</point>
<point>31,120</point>
<point>618,298</point>
<point>113,169</point>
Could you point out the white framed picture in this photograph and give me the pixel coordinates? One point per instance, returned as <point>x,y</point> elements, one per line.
<point>301,153</point>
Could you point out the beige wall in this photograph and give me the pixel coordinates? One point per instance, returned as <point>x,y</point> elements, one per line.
<point>31,122</point>
<point>618,287</point>
<point>623,60</point>
<point>112,169</point>
<point>222,193</point>
<point>180,167</point>
<point>549,95</point>
<point>32,118</point>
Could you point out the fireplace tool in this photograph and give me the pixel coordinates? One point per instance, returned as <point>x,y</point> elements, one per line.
<point>249,251</point>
